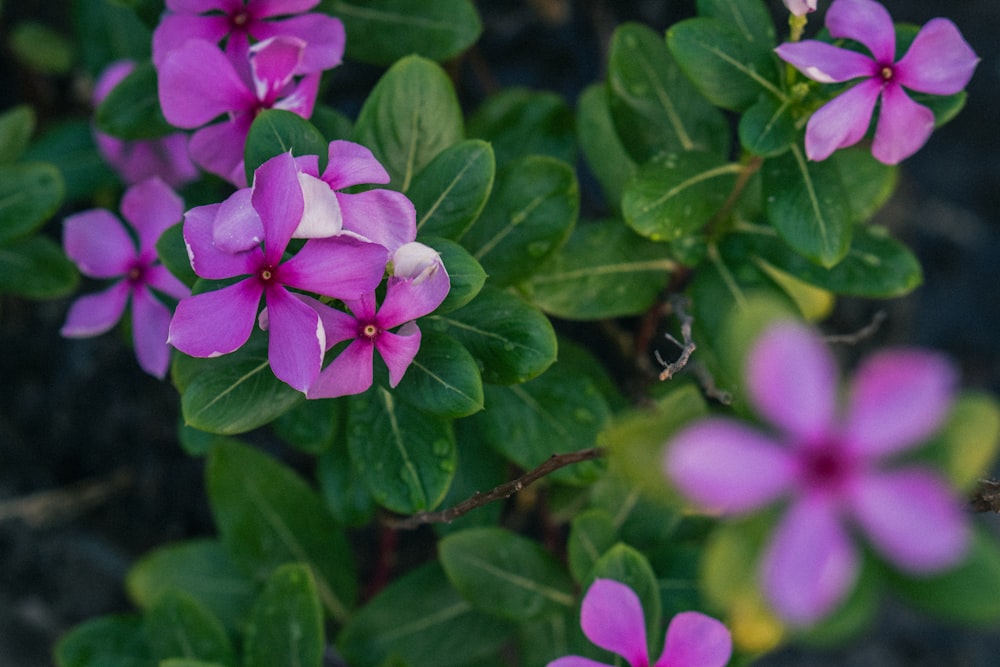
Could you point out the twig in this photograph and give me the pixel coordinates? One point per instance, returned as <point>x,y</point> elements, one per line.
<point>861,334</point>
<point>687,346</point>
<point>986,497</point>
<point>709,386</point>
<point>45,507</point>
<point>554,462</point>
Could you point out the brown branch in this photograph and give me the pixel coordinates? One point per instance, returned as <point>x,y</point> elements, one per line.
<point>687,346</point>
<point>554,462</point>
<point>986,497</point>
<point>46,507</point>
<point>861,334</point>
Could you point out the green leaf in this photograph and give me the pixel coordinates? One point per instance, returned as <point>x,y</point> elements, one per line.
<point>29,194</point>
<point>519,122</point>
<point>107,641</point>
<point>606,156</point>
<point>591,534</point>
<point>807,204</point>
<point>676,194</point>
<point>479,468</point>
<point>654,106</point>
<point>69,145</point>
<point>405,457</point>
<point>529,215</point>
<point>750,18</point>
<point>16,128</point>
<point>627,565</point>
<point>443,379</point>
<point>172,251</point>
<point>382,31</point>
<point>233,393</point>
<point>132,108</point>
<point>410,116</point>
<point>200,568</point>
<point>767,128</point>
<point>179,626</point>
<point>185,662</point>
<point>730,71</point>
<point>510,340</point>
<point>285,628</point>
<point>267,515</point>
<point>967,446</point>
<point>310,426</point>
<point>342,488</point>
<point>504,574</point>
<point>465,273</point>
<point>196,442</point>
<point>276,131</point>
<point>39,47</point>
<point>451,191</point>
<point>36,268</point>
<point>420,618</point>
<point>107,33</point>
<point>605,270</point>
<point>870,182</point>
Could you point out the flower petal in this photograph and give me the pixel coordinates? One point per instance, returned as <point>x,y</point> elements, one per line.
<point>576,661</point>
<point>323,35</point>
<point>111,76</point>
<point>268,8</point>
<point>340,267</point>
<point>843,121</point>
<point>98,243</point>
<point>176,29</point>
<point>912,519</point>
<point>272,64</point>
<point>611,617</point>
<point>726,466</point>
<point>939,60</point>
<point>383,216</point>
<point>867,22</point>
<point>94,314</point>
<point>277,198</point>
<point>218,148</point>
<point>198,83</point>
<point>150,323</point>
<point>898,399</point>
<point>159,278</point>
<point>903,126</point>
<point>792,380</point>
<point>409,299</point>
<point>338,325</point>
<point>215,323</point>
<point>296,340</point>
<point>398,350</point>
<point>237,226</point>
<point>151,206</point>
<point>321,216</point>
<point>302,97</point>
<point>810,564</point>
<point>352,164</point>
<point>349,373</point>
<point>207,259</point>
<point>826,63</point>
<point>696,639</point>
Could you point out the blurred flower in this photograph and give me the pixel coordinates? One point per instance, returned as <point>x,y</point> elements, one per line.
<point>101,245</point>
<point>611,617</point>
<point>939,62</point>
<point>833,469</point>
<point>800,7</point>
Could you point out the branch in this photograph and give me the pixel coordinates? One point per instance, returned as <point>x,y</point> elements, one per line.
<point>687,346</point>
<point>554,462</point>
<point>986,497</point>
<point>861,334</point>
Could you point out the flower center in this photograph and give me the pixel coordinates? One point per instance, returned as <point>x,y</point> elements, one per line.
<point>136,274</point>
<point>826,467</point>
<point>240,19</point>
<point>887,73</point>
<point>266,274</point>
<point>370,331</point>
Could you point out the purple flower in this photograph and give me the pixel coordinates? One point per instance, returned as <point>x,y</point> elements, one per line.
<point>832,468</point>
<point>101,245</point>
<point>197,83</point>
<point>939,62</point>
<point>165,157</point>
<point>418,285</point>
<point>800,7</point>
<point>247,235</point>
<point>237,22</point>
<point>611,617</point>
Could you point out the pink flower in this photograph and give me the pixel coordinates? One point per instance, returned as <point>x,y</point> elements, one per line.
<point>611,617</point>
<point>100,244</point>
<point>832,468</point>
<point>800,7</point>
<point>165,157</point>
<point>939,62</point>
<point>247,235</point>
<point>237,22</point>
<point>198,83</point>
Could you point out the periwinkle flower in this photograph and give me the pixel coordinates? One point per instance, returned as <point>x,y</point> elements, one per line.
<point>939,62</point>
<point>102,247</point>
<point>800,7</point>
<point>834,468</point>
<point>611,617</point>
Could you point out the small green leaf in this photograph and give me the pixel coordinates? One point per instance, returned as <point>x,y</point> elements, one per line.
<point>132,108</point>
<point>267,515</point>
<point>504,574</point>
<point>108,32</point>
<point>29,194</point>
<point>172,251</point>
<point>411,115</point>
<point>443,379</point>
<point>276,131</point>
<point>451,191</point>
<point>344,492</point>
<point>40,47</point>
<point>16,128</point>
<point>603,150</point>
<point>767,128</point>
<point>529,215</point>
<point>382,31</point>
<point>310,426</point>
<point>967,445</point>
<point>285,628</point>
<point>107,641</point>
<point>36,268</point>
<point>479,467</point>
<point>186,662</point>
<point>869,181</point>
<point>405,456</point>
<point>179,626</point>
<point>750,18</point>
<point>591,534</point>
<point>465,273</point>
<point>519,122</point>
<point>69,145</point>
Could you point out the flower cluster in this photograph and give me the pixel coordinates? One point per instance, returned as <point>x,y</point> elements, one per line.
<point>832,469</point>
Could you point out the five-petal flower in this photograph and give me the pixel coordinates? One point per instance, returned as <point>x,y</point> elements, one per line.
<point>800,7</point>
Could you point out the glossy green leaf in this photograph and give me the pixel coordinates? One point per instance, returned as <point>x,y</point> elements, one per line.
<point>276,131</point>
<point>40,47</point>
<point>196,442</point>
<point>606,156</point>
<point>285,628</point>
<point>108,33</point>
<point>411,115</point>
<point>676,194</point>
<point>654,106</point>
<point>16,127</point>
<point>807,204</point>
<point>200,568</point>
<point>869,182</point>
<point>591,534</point>
<point>267,515</point>
<point>29,194</point>
<point>443,379</point>
<point>405,457</point>
<point>767,128</point>
<point>530,214</point>
<point>186,662</point>
<point>420,620</point>
<point>310,426</point>
<point>465,273</point>
<point>627,565</point>
<point>36,268</point>
<point>519,122</point>
<point>69,145</point>
<point>132,108</point>
<point>510,340</point>
<point>106,641</point>
<point>343,491</point>
<point>177,625</point>
<point>172,252</point>
<point>967,446</point>
<point>479,468</point>
<point>382,31</point>
<point>451,191</point>
<point>605,270</point>
<point>750,18</point>
<point>504,574</point>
